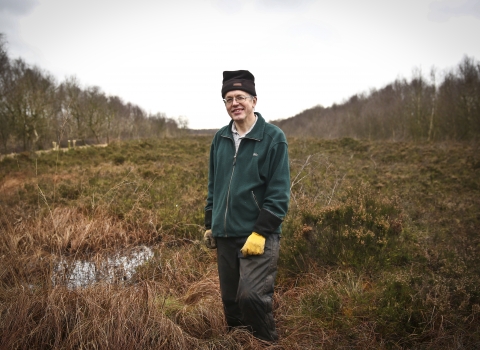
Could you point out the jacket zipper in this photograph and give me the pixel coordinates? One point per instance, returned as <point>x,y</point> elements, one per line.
<point>230,183</point>
<point>228,196</point>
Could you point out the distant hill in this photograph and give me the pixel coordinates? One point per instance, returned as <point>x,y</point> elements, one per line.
<point>202,131</point>
<point>417,110</point>
<point>302,123</point>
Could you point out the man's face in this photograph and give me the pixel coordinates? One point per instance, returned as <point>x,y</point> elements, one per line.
<point>240,111</point>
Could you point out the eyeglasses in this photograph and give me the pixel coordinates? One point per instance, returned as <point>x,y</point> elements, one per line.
<point>239,99</point>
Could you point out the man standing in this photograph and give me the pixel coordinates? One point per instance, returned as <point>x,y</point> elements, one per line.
<point>248,197</point>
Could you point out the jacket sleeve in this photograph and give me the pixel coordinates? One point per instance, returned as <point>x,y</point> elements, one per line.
<point>211,184</point>
<point>277,194</point>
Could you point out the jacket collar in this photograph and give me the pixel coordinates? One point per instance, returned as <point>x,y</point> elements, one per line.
<point>256,133</point>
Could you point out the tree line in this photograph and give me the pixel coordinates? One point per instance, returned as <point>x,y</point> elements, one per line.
<point>421,109</point>
<point>36,111</point>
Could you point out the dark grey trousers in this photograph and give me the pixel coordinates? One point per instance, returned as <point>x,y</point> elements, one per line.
<point>246,285</point>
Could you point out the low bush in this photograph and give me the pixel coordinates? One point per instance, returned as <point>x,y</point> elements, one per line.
<point>362,230</point>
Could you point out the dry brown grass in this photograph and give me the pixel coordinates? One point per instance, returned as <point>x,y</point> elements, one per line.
<point>66,230</point>
<point>418,289</point>
<point>173,301</point>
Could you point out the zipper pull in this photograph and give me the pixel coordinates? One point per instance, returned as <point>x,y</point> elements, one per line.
<point>234,159</point>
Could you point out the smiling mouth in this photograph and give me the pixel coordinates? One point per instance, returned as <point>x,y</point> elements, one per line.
<point>237,110</point>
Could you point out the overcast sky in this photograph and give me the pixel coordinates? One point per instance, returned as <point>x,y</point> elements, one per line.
<point>168,56</point>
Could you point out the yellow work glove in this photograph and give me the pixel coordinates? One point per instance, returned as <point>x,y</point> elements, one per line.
<point>209,240</point>
<point>254,245</point>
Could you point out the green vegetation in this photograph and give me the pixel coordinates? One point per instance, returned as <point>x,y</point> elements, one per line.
<point>380,249</point>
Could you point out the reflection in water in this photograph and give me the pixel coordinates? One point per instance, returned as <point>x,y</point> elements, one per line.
<point>114,269</point>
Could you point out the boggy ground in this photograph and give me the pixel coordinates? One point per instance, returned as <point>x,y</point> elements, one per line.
<point>380,248</point>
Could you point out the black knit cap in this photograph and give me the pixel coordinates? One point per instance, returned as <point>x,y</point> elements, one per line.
<point>238,80</point>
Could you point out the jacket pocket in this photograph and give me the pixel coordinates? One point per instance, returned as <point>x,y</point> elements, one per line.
<point>255,200</point>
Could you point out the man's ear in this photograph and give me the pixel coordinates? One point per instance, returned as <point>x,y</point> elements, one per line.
<point>254,99</point>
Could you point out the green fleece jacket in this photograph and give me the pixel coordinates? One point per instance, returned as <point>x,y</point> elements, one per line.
<point>248,191</point>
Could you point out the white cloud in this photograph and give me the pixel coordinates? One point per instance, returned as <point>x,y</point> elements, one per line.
<point>168,56</point>
<point>10,12</point>
<point>16,7</point>
<point>443,10</point>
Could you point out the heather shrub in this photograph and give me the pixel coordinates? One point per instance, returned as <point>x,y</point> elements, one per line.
<point>363,229</point>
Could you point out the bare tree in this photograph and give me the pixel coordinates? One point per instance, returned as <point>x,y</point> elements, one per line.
<point>96,111</point>
<point>28,103</point>
<point>7,129</point>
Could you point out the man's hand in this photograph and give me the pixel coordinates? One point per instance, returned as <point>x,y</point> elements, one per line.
<point>254,245</point>
<point>209,240</point>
